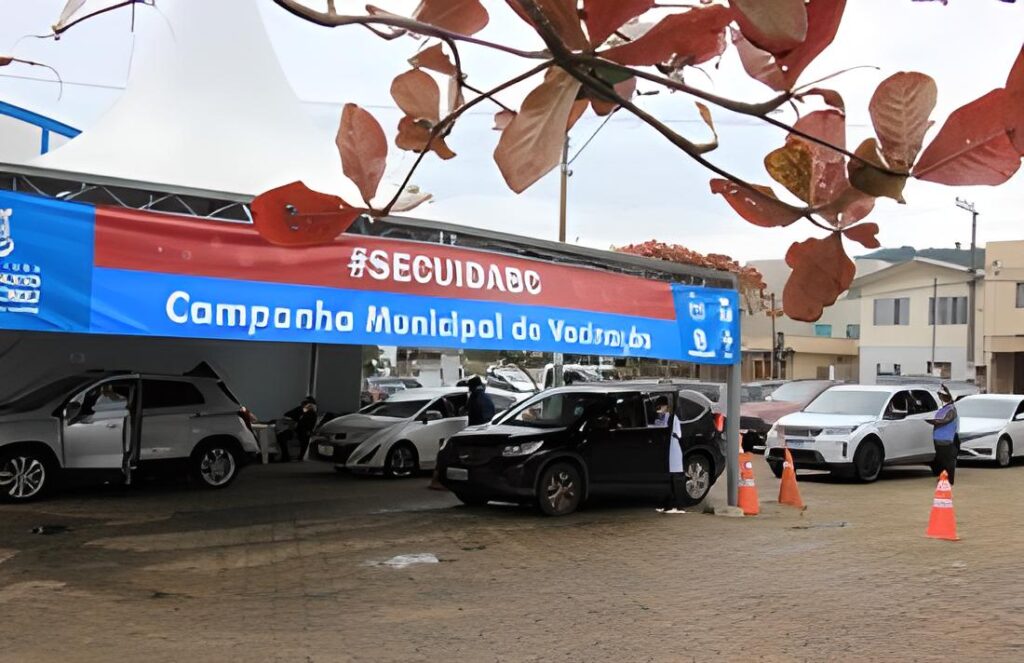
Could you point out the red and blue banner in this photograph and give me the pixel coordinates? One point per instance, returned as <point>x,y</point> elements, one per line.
<point>80,268</point>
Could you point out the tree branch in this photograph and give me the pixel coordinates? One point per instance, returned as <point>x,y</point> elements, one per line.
<point>484,94</point>
<point>407,24</point>
<point>449,119</point>
<point>61,30</point>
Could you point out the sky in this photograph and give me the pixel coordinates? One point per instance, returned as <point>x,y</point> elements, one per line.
<point>628,184</point>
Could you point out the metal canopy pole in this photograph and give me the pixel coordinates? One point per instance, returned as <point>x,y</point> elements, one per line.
<point>732,422</point>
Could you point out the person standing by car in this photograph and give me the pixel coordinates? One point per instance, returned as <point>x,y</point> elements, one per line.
<point>481,407</point>
<point>305,418</point>
<point>947,425</point>
<point>676,476</point>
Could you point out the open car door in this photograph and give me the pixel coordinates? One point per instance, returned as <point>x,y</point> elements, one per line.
<point>133,431</point>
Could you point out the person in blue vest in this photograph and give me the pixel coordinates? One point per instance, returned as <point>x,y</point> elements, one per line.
<point>947,425</point>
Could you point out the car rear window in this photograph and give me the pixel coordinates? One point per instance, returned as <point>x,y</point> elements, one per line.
<point>169,393</point>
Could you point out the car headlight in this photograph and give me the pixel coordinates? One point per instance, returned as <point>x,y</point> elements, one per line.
<point>844,430</point>
<point>524,449</point>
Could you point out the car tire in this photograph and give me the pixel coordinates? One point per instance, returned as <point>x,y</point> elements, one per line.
<point>560,489</point>
<point>471,500</point>
<point>776,469</point>
<point>868,461</point>
<point>699,477</point>
<point>747,444</point>
<point>215,463</point>
<point>1004,452</point>
<point>26,474</point>
<point>402,461</point>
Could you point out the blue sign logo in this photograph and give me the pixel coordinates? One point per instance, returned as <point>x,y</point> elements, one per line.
<point>21,284</point>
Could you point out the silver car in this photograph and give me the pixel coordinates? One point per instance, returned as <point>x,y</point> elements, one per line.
<point>105,424</point>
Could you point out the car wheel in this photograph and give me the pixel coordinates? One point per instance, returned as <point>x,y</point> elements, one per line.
<point>867,462</point>
<point>401,461</point>
<point>215,463</point>
<point>1004,452</point>
<point>747,443</point>
<point>776,469</point>
<point>25,475</point>
<point>560,489</point>
<point>471,500</point>
<point>697,471</point>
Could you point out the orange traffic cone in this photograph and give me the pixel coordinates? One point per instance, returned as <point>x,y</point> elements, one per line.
<point>942,524</point>
<point>748,491</point>
<point>788,491</point>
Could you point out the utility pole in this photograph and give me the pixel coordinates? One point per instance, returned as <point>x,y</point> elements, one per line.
<point>772,313</point>
<point>557,359</point>
<point>935,319</point>
<point>972,288</point>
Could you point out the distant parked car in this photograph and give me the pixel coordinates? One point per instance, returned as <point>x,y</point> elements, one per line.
<point>991,428</point>
<point>758,417</point>
<point>567,444</point>
<point>757,392</point>
<point>114,424</point>
<point>397,437</point>
<point>855,430</point>
<point>958,388</point>
<point>380,387</point>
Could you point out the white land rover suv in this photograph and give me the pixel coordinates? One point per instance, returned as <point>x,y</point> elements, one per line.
<point>854,430</point>
<point>109,425</point>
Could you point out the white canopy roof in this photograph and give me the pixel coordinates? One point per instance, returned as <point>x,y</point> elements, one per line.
<point>207,106</point>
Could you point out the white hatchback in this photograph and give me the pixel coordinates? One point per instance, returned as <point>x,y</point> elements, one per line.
<point>855,430</point>
<point>991,427</point>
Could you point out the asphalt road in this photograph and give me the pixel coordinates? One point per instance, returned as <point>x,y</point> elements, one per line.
<point>295,563</point>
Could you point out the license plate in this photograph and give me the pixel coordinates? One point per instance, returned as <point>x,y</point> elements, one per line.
<point>798,444</point>
<point>457,474</point>
<point>325,450</point>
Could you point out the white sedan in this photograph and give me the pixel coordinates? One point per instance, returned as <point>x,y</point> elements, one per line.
<point>991,427</point>
<point>397,437</point>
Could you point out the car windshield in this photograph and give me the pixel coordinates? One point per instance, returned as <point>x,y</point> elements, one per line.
<point>394,409</point>
<point>47,393</point>
<point>847,401</point>
<point>796,392</point>
<point>554,411</point>
<point>513,378</point>
<point>986,408</point>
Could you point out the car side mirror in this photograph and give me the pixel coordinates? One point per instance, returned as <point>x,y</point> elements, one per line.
<point>896,415</point>
<point>1019,416</point>
<point>72,410</point>
<point>431,415</point>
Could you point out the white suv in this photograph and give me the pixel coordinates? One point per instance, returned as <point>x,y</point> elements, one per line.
<point>113,424</point>
<point>854,430</point>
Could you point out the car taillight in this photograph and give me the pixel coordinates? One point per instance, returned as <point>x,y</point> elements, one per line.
<point>720,422</point>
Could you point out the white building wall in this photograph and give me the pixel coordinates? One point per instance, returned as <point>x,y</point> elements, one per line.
<point>912,360</point>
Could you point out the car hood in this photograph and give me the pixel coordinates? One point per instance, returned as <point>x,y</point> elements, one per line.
<point>769,411</point>
<point>498,434</point>
<point>813,420</point>
<point>980,425</point>
<point>352,423</point>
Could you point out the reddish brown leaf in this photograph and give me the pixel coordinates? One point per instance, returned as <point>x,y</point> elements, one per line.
<point>603,17</point>
<point>417,94</point>
<point>900,108</point>
<point>830,97</point>
<point>295,215</point>
<point>758,204</point>
<point>531,145</point>
<point>625,89</point>
<point>502,119</point>
<point>5,60</point>
<point>848,207</point>
<point>823,18</point>
<point>463,16</point>
<point>705,114</point>
<point>973,147</point>
<point>413,136</point>
<point>363,149</point>
<point>1015,109</point>
<point>759,65</point>
<point>776,26</point>
<point>564,19</point>
<point>821,272</point>
<point>692,37</point>
<point>828,167</point>
<point>865,234</point>
<point>579,107</point>
<point>435,59</point>
<point>791,166</point>
<point>870,178</point>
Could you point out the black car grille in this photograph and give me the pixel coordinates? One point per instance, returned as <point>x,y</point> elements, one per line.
<point>470,454</point>
<point>792,431</point>
<point>800,456</point>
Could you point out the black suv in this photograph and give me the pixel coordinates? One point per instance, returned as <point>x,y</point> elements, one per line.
<point>565,445</point>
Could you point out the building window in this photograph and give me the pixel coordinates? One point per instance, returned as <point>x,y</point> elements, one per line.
<point>892,311</point>
<point>1020,295</point>
<point>823,330</point>
<point>940,369</point>
<point>888,369</point>
<point>852,331</point>
<point>947,311</point>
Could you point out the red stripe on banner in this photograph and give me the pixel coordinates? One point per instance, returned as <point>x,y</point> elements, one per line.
<point>154,242</point>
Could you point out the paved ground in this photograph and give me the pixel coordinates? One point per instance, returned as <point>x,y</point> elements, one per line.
<point>287,565</point>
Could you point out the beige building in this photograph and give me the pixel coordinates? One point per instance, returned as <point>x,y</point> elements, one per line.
<point>902,333</point>
<point>1004,316</point>
<point>821,349</point>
